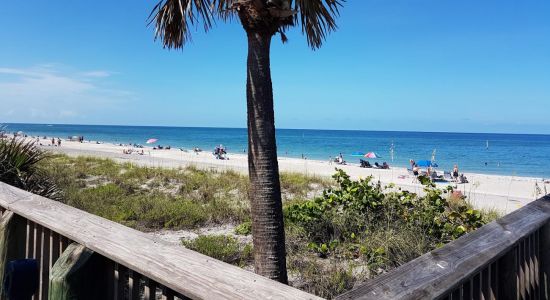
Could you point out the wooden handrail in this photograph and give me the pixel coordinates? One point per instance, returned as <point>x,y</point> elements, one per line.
<point>187,272</point>
<point>437,274</point>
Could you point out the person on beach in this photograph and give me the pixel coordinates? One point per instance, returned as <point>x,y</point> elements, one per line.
<point>413,163</point>
<point>416,170</point>
<point>455,172</point>
<point>53,141</point>
<point>58,142</point>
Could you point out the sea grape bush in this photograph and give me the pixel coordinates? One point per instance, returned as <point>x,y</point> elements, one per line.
<point>343,218</point>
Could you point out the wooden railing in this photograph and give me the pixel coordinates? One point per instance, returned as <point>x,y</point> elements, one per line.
<point>129,264</point>
<point>506,259</point>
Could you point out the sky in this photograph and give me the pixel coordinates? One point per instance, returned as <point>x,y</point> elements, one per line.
<point>414,65</point>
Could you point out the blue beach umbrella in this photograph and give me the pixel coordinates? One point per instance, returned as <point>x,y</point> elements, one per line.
<point>426,163</point>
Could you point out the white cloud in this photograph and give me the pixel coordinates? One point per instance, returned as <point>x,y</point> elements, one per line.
<point>51,93</point>
<point>98,74</point>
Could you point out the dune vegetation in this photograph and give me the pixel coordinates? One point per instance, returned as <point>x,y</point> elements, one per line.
<point>339,232</point>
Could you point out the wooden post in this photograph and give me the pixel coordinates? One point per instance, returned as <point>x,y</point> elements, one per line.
<point>12,242</point>
<point>544,270</point>
<point>79,273</point>
<point>508,275</point>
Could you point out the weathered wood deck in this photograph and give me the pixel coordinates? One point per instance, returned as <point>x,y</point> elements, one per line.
<point>137,266</point>
<point>506,259</point>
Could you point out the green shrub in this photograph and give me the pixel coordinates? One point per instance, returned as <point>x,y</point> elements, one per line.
<point>352,209</point>
<point>244,228</point>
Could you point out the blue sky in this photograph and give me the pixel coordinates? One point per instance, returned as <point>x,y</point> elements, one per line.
<point>437,65</point>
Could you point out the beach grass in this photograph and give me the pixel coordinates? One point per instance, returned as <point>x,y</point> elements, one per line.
<point>149,198</point>
<point>339,232</point>
<point>222,247</point>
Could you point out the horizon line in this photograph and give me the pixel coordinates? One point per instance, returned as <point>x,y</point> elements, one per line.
<point>276,128</point>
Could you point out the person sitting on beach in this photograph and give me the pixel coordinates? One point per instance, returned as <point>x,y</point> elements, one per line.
<point>455,172</point>
<point>385,165</point>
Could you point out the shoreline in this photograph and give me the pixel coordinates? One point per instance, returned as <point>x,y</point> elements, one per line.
<point>485,191</point>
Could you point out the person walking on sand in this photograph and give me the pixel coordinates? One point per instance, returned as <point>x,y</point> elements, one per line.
<point>455,172</point>
<point>58,142</point>
<point>53,141</point>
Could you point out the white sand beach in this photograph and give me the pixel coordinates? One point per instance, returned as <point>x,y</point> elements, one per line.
<point>503,193</point>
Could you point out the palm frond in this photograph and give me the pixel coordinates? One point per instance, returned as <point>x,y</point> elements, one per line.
<point>174,19</point>
<point>19,160</point>
<point>318,18</point>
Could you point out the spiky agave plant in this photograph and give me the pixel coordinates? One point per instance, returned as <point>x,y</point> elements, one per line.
<point>261,19</point>
<point>19,161</point>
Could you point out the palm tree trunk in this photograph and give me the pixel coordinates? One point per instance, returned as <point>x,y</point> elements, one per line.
<point>265,190</point>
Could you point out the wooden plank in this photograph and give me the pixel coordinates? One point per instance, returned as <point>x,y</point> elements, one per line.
<point>485,280</point>
<point>186,272</point>
<point>508,278</point>
<point>467,289</point>
<point>545,262</point>
<point>537,264</point>
<point>109,273</point>
<point>493,283</point>
<point>121,278</point>
<point>37,254</point>
<point>134,286</point>
<point>167,294</point>
<point>150,290</point>
<point>29,240</point>
<point>521,271</point>
<point>456,294</point>
<point>12,242</point>
<point>45,263</point>
<point>54,248</point>
<point>78,274</point>
<point>477,286</point>
<point>531,247</point>
<point>433,274</point>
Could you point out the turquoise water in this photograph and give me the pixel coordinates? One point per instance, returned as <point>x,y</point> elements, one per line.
<point>508,154</point>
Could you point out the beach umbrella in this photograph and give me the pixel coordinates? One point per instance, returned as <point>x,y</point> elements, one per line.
<point>151,141</point>
<point>426,163</point>
<point>360,154</point>
<point>372,155</point>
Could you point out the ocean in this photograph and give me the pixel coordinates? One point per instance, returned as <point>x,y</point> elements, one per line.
<point>507,154</point>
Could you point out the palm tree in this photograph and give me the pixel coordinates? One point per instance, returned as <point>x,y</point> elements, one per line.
<point>261,20</point>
